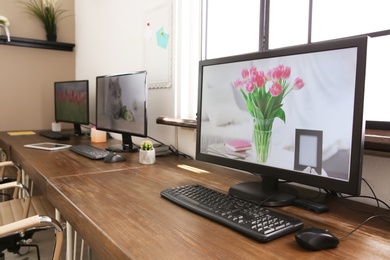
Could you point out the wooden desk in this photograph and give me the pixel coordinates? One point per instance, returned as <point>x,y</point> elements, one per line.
<point>118,211</point>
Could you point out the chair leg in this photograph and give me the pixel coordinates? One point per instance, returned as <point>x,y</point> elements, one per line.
<point>89,252</point>
<point>82,249</point>
<point>69,241</point>
<point>74,245</point>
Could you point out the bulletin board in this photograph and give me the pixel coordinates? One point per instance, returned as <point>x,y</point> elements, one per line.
<point>158,46</point>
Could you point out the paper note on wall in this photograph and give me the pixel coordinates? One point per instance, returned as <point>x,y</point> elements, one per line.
<point>162,38</point>
<point>158,45</point>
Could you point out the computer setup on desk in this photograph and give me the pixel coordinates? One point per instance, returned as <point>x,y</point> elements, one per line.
<point>121,108</point>
<point>293,114</point>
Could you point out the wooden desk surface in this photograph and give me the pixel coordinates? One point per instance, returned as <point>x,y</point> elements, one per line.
<point>118,210</point>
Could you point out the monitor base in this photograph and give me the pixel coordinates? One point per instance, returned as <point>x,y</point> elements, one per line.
<point>120,148</point>
<point>126,146</point>
<point>262,193</point>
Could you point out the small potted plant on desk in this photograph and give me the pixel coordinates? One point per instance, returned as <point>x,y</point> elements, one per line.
<point>147,154</point>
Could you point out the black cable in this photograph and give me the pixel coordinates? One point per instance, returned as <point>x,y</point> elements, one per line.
<point>378,201</point>
<point>363,223</point>
<point>172,149</point>
<point>178,153</point>
<point>372,190</point>
<point>369,197</point>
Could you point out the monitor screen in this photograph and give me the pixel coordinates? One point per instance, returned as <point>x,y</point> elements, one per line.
<point>71,103</point>
<point>121,101</point>
<point>293,114</point>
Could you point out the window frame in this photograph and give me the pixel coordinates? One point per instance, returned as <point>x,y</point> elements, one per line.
<point>264,40</point>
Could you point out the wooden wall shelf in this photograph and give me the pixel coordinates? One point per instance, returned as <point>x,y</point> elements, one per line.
<point>33,43</point>
<point>188,123</point>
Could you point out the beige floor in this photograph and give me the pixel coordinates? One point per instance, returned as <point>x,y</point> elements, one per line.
<point>45,240</point>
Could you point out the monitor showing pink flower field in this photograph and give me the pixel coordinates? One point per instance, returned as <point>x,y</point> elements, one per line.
<point>298,109</point>
<point>71,103</point>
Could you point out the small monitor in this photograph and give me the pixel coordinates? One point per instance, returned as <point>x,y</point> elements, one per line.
<point>292,114</point>
<point>121,102</point>
<point>71,103</point>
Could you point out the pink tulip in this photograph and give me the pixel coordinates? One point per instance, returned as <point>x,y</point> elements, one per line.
<point>298,84</point>
<point>250,87</point>
<point>276,89</point>
<point>245,73</point>
<point>238,84</point>
<point>260,79</point>
<point>286,72</point>
<point>276,73</point>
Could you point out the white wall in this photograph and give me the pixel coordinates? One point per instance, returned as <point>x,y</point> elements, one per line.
<point>109,39</point>
<point>27,74</point>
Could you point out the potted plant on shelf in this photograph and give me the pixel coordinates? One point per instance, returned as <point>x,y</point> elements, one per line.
<point>147,153</point>
<point>4,23</point>
<point>48,14</point>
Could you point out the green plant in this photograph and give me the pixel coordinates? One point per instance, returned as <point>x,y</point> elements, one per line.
<point>4,21</point>
<point>47,12</point>
<point>146,145</point>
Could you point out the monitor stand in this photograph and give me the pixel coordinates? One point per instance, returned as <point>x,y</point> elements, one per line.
<point>126,146</point>
<point>267,192</point>
<point>77,130</point>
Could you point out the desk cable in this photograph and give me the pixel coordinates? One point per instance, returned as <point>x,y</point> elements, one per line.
<point>378,201</point>
<point>383,217</point>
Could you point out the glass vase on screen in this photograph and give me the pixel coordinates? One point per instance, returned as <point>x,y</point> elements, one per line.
<point>264,94</point>
<point>262,133</point>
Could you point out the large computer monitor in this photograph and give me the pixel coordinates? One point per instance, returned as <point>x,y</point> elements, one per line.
<point>121,106</point>
<point>292,114</point>
<point>71,103</point>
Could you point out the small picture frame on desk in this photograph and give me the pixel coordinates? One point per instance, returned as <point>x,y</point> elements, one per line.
<point>48,146</point>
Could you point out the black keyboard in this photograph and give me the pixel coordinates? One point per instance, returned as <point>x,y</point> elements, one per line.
<point>245,217</point>
<point>54,135</point>
<point>89,151</point>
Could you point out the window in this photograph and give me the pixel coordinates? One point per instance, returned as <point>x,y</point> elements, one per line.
<point>231,27</point>
<point>288,23</point>
<point>236,26</point>
<point>342,18</point>
<point>187,42</point>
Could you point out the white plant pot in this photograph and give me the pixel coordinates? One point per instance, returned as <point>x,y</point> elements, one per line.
<point>147,156</point>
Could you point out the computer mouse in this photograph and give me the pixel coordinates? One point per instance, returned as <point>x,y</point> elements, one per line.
<point>114,157</point>
<point>315,239</point>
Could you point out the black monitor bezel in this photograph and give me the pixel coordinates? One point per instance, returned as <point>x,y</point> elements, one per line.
<point>76,123</point>
<point>126,135</point>
<point>353,185</point>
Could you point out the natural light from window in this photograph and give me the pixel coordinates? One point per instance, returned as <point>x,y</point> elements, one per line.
<point>232,27</point>
<point>288,23</point>
<point>335,19</point>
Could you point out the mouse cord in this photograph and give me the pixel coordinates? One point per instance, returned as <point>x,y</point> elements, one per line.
<point>383,217</point>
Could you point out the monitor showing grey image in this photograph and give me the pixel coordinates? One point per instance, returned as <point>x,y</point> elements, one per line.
<point>121,102</point>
